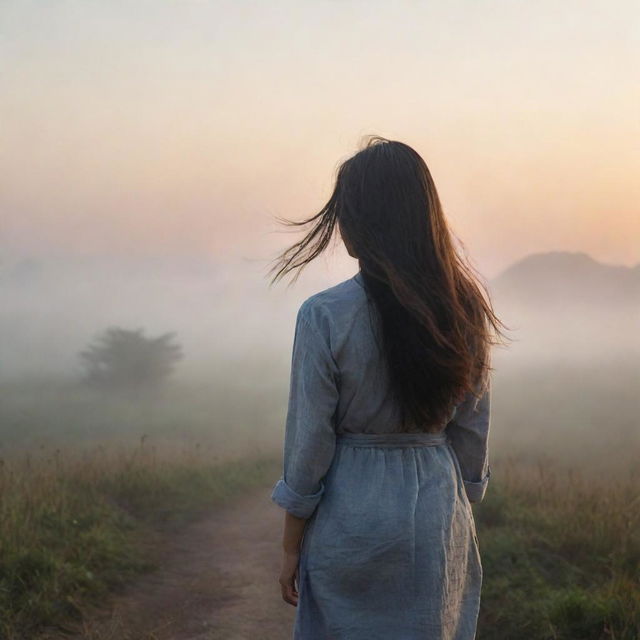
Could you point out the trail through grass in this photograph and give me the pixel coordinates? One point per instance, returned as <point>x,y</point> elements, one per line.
<point>74,526</point>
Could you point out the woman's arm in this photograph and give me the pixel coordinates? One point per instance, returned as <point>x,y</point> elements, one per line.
<point>291,540</point>
<point>293,532</point>
<point>468,433</point>
<point>310,437</point>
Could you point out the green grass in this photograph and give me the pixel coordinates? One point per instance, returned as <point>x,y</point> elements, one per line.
<point>561,555</point>
<point>560,550</point>
<point>75,527</point>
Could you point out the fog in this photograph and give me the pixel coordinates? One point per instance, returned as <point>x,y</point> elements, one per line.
<point>566,386</point>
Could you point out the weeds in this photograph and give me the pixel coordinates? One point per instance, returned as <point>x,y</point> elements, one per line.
<point>71,524</point>
<point>561,554</point>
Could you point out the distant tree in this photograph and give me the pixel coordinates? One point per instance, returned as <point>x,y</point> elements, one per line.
<point>127,358</point>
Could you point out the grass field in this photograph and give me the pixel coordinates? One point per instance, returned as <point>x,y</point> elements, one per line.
<point>86,479</point>
<point>561,554</point>
<point>75,526</point>
<point>560,549</point>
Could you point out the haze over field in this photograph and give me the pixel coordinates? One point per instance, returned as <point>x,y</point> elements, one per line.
<point>559,305</point>
<point>571,371</point>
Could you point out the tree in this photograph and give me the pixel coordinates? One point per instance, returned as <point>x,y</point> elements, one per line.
<point>126,358</point>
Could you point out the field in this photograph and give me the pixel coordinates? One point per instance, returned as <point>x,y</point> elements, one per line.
<point>74,527</point>
<point>561,554</point>
<point>89,482</point>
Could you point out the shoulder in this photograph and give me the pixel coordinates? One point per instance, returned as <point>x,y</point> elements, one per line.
<point>333,306</point>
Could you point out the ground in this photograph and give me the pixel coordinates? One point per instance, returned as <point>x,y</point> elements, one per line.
<point>219,581</point>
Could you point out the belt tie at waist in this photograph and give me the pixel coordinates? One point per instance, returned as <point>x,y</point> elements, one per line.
<point>392,439</point>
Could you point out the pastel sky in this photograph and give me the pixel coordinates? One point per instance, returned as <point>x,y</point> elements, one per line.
<point>177,126</point>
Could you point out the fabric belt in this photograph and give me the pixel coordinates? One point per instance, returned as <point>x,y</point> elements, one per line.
<point>391,439</point>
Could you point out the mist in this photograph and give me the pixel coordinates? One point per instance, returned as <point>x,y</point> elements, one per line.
<point>565,387</point>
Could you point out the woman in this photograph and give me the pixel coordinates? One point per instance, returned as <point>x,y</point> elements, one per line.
<point>388,418</point>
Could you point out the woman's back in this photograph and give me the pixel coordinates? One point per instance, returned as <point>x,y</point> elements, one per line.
<point>343,315</point>
<point>348,321</point>
<point>390,548</point>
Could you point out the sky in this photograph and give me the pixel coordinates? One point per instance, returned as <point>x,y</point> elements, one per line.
<point>183,127</point>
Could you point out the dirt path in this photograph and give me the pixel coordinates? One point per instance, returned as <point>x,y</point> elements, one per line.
<point>219,581</point>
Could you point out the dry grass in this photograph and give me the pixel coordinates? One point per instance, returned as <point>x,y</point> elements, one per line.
<point>72,522</point>
<point>561,551</point>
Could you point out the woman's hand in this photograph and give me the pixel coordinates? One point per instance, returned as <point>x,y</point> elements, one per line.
<point>289,577</point>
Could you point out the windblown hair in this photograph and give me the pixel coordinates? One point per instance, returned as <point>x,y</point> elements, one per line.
<point>436,324</point>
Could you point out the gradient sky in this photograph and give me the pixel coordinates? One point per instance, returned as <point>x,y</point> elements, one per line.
<point>185,126</point>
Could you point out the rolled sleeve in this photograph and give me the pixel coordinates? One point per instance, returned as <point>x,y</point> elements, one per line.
<point>476,490</point>
<point>293,502</point>
<point>468,434</point>
<point>310,437</point>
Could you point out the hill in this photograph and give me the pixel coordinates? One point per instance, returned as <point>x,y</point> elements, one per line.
<point>567,306</point>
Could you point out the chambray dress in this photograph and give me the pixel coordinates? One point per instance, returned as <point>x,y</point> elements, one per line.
<point>390,548</point>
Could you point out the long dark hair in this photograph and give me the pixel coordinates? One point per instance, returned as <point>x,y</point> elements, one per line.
<point>437,326</point>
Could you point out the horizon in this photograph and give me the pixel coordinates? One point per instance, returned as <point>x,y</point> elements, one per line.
<point>182,259</point>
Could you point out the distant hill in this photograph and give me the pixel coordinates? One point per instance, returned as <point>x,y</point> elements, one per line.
<point>567,278</point>
<point>566,306</point>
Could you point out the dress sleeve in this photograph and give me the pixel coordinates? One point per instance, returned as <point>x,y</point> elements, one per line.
<point>310,436</point>
<point>468,433</point>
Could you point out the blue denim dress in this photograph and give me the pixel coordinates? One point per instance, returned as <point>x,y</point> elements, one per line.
<point>390,547</point>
